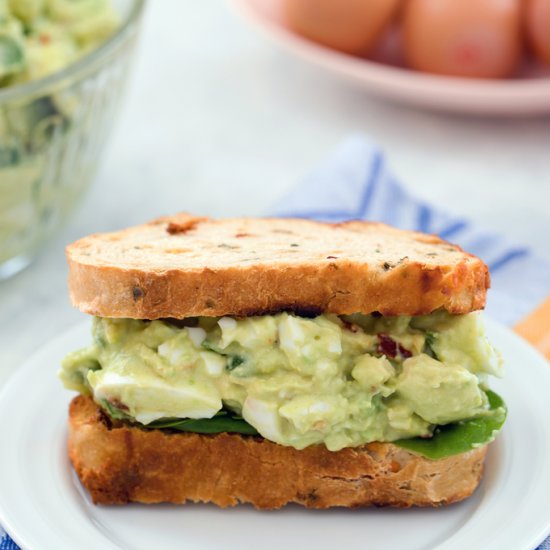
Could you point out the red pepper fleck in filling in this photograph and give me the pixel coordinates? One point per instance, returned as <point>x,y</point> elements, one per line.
<point>390,348</point>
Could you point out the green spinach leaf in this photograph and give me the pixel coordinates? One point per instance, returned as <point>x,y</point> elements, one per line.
<point>223,421</point>
<point>447,440</point>
<point>453,439</point>
<point>114,412</point>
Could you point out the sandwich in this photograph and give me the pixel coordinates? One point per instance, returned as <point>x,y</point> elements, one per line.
<point>274,361</point>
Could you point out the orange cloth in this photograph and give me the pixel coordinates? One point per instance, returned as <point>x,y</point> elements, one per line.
<point>535,328</point>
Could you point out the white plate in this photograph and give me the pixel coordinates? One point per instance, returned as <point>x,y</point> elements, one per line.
<point>43,506</point>
<point>527,94</point>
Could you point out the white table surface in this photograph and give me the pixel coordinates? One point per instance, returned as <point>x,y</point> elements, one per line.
<point>218,121</point>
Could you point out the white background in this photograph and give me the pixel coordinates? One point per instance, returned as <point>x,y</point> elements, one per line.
<point>218,121</point>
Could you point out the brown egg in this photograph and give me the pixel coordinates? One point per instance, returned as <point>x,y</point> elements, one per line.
<point>538,27</point>
<point>350,26</point>
<point>477,38</point>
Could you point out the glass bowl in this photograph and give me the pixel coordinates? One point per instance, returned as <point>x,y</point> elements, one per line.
<point>52,133</point>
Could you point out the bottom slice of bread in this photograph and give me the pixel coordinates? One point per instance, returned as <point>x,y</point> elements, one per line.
<point>119,464</point>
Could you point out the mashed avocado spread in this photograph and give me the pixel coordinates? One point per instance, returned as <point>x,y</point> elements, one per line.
<point>342,381</point>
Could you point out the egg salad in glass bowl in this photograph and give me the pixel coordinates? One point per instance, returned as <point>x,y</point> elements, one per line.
<point>62,66</point>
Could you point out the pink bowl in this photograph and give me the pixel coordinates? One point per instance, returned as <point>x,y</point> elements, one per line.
<point>384,73</point>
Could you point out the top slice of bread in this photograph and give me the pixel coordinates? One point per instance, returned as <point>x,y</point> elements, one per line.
<point>183,266</point>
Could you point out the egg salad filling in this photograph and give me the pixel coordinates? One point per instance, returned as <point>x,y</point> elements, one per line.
<point>39,37</point>
<point>337,380</point>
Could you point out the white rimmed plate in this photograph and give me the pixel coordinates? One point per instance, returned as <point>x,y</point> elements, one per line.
<point>527,94</point>
<point>43,506</point>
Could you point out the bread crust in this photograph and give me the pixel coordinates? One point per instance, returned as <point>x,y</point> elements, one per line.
<point>119,464</point>
<point>182,266</point>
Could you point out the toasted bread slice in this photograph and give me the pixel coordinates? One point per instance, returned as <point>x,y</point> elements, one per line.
<point>119,464</point>
<point>183,266</point>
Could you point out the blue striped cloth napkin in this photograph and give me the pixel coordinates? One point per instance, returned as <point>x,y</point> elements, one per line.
<point>5,542</point>
<point>357,183</point>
